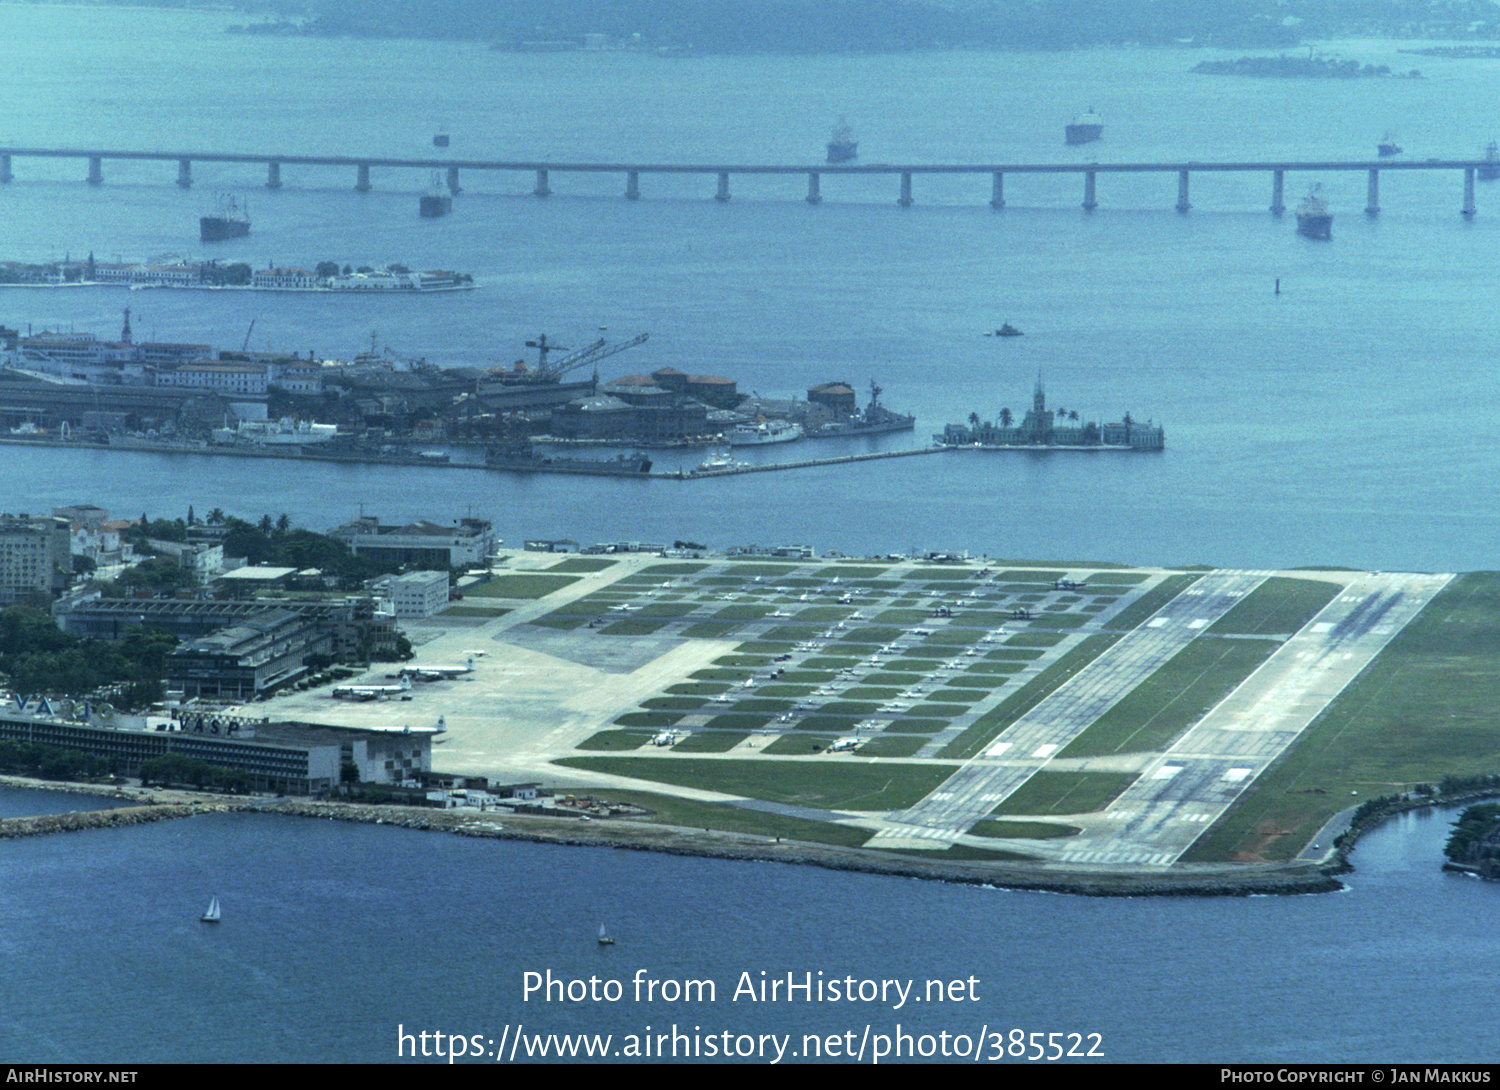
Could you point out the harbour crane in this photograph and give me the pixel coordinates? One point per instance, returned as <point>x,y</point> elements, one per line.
<point>553,371</point>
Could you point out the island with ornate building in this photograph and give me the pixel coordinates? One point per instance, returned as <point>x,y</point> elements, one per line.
<point>1051,429</point>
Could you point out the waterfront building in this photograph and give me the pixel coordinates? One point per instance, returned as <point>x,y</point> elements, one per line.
<point>466,543</point>
<point>289,757</point>
<point>229,379</point>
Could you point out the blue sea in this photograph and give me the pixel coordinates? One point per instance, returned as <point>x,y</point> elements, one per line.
<point>1348,420</point>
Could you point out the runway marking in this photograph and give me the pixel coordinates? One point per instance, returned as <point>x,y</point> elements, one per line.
<point>1166,772</point>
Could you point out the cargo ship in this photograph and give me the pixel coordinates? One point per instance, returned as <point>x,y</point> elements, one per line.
<point>1313,218</point>
<point>1084,129</point>
<point>232,221</point>
<point>842,148</point>
<point>1489,170</point>
<point>435,202</point>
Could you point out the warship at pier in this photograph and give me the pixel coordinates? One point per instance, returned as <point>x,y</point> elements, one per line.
<point>876,419</point>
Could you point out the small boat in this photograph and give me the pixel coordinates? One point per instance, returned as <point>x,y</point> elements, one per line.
<point>1489,170</point>
<point>1007,330</point>
<point>842,147</point>
<point>717,462</point>
<point>604,937</point>
<point>1388,145</point>
<point>211,913</point>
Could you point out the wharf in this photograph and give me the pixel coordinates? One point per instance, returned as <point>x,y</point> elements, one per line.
<point>345,457</point>
<point>735,470</point>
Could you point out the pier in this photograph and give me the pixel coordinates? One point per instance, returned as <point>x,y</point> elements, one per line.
<point>818,179</point>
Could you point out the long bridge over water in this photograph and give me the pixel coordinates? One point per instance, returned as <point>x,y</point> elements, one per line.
<point>632,173</point>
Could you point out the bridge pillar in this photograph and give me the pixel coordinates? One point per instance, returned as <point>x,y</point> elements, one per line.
<point>96,170</point>
<point>1372,194</point>
<point>542,188</point>
<point>633,185</point>
<point>905,199</point>
<point>453,186</point>
<point>1089,203</point>
<point>273,175</point>
<point>813,196</point>
<point>1278,188</point>
<point>1468,191</point>
<point>997,190</point>
<point>185,173</point>
<point>362,179</point>
<point>1183,204</point>
<point>723,193</point>
<point>5,174</point>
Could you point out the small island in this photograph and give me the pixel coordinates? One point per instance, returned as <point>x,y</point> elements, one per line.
<point>1049,429</point>
<point>1301,67</point>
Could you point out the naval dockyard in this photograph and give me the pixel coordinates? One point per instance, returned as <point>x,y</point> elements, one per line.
<point>549,413</point>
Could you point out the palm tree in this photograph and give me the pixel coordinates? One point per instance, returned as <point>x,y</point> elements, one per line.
<point>1005,418</point>
<point>974,421</point>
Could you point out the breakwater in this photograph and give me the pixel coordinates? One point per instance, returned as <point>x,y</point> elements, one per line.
<point>605,468</point>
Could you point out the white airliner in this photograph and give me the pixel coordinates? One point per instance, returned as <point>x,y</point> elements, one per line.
<point>437,673</point>
<point>370,692</point>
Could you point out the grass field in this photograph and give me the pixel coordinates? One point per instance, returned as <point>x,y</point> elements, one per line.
<point>1425,710</point>
<point>800,783</point>
<point>1155,712</point>
<point>520,586</point>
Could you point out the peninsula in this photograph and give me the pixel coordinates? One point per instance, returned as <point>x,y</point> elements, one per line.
<point>1079,726</point>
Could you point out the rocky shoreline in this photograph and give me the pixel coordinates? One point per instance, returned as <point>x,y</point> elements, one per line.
<point>142,805</point>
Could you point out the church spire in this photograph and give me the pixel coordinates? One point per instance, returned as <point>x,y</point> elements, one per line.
<point>1038,397</point>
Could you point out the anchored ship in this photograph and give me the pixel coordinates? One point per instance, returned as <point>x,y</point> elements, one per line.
<point>1084,129</point>
<point>842,147</point>
<point>1313,218</point>
<point>435,202</point>
<point>232,221</point>
<point>1489,170</point>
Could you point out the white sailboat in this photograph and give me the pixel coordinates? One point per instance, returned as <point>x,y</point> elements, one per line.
<point>211,914</point>
<point>604,939</point>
